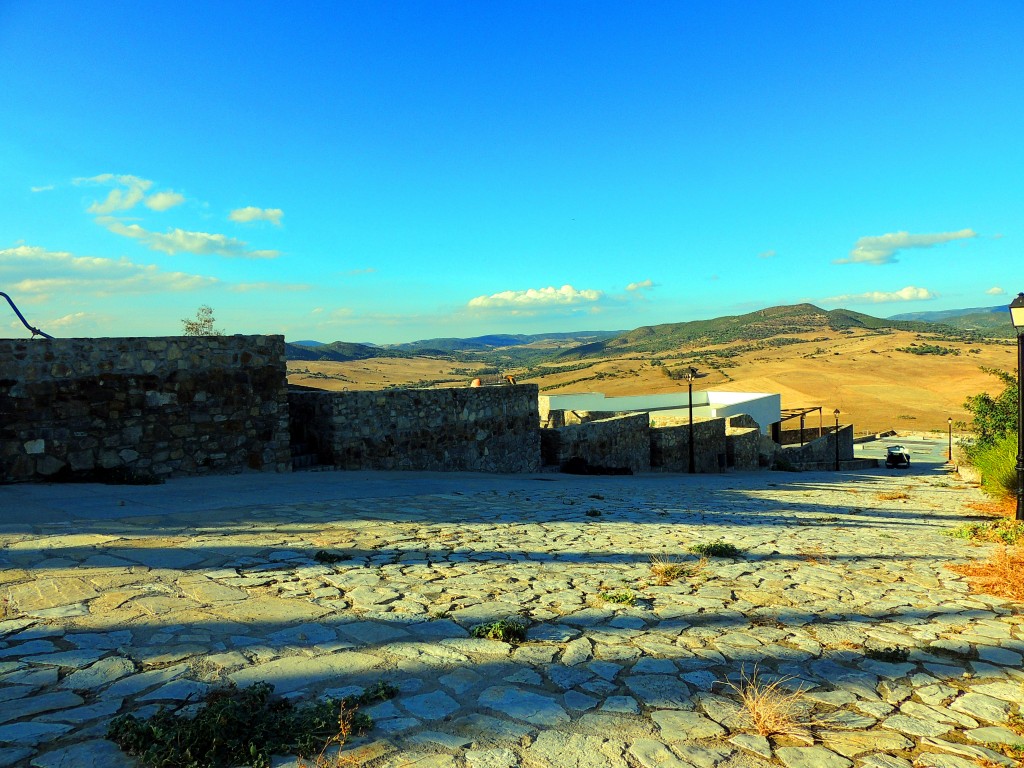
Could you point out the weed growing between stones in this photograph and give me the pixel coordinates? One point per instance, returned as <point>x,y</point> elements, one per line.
<point>815,555</point>
<point>1016,721</point>
<point>243,727</point>
<point>666,570</point>
<point>770,708</point>
<point>510,630</point>
<point>893,655</point>
<point>1010,750</point>
<point>716,548</point>
<point>623,597</point>
<point>997,531</point>
<point>330,754</point>
<point>329,558</point>
<point>1002,574</point>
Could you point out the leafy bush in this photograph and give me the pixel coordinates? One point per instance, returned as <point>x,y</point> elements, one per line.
<point>994,417</point>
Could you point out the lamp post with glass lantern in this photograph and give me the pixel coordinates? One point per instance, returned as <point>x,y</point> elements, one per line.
<point>1017,318</point>
<point>690,376</point>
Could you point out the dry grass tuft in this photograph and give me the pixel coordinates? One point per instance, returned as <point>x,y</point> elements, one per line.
<point>1002,574</point>
<point>1001,508</point>
<point>331,755</point>
<point>893,496</point>
<point>666,570</point>
<point>771,708</point>
<point>814,555</point>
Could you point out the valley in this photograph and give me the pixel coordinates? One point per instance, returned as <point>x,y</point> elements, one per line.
<point>873,376</point>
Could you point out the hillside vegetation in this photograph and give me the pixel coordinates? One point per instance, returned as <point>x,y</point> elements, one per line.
<point>754,326</point>
<point>881,374</point>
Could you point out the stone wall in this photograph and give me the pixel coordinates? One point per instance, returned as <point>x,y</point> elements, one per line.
<point>792,436</point>
<point>670,444</point>
<point>615,444</point>
<point>742,446</point>
<point>131,408</point>
<point>478,429</point>
<point>821,453</point>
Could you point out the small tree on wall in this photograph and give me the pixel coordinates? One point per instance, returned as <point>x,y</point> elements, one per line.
<point>201,324</point>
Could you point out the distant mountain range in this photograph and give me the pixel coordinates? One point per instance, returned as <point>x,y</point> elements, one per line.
<point>342,351</point>
<point>988,321</point>
<point>652,339</point>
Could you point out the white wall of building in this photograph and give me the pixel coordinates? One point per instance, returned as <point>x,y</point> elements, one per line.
<point>764,408</point>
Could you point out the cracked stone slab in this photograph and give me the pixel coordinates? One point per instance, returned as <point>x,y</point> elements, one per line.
<point>532,707</point>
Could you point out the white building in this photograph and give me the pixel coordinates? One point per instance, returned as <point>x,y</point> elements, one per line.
<point>764,408</point>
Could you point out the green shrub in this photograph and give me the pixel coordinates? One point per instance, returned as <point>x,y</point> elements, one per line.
<point>242,727</point>
<point>625,597</point>
<point>994,417</point>
<point>998,532</point>
<point>329,558</point>
<point>997,463</point>
<point>717,548</point>
<point>508,630</point>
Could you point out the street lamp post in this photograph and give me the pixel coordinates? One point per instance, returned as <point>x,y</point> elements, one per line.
<point>690,376</point>
<point>836,414</point>
<point>1017,318</point>
<point>950,422</point>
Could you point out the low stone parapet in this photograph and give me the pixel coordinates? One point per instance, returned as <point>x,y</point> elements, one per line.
<point>670,444</point>
<point>473,429</point>
<point>606,445</point>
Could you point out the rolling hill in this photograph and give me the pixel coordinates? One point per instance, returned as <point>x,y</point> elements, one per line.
<point>988,321</point>
<point>763,324</point>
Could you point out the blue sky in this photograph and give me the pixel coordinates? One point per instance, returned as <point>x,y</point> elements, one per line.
<point>390,171</point>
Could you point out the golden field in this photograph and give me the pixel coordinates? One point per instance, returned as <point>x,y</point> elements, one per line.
<point>875,386</point>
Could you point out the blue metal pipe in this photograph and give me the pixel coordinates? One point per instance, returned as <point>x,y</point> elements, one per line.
<point>35,331</point>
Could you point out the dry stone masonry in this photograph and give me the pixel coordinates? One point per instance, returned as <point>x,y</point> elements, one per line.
<point>142,407</point>
<point>483,429</point>
<point>136,409</point>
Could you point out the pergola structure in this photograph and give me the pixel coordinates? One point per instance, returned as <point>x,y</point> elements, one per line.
<point>801,413</point>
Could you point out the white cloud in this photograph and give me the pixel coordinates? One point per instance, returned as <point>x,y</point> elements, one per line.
<point>180,240</point>
<point>129,192</point>
<point>882,249</point>
<point>770,254</point>
<point>643,284</point>
<point>252,213</point>
<point>536,298</point>
<point>995,290</point>
<point>162,201</point>
<point>268,286</point>
<point>36,271</point>
<point>910,293</point>
<point>66,321</point>
<point>45,188</point>
<point>365,271</point>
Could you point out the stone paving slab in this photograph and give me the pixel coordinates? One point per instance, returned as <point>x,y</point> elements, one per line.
<point>118,599</point>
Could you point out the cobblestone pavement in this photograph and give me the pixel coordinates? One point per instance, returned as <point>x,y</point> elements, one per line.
<point>841,587</point>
